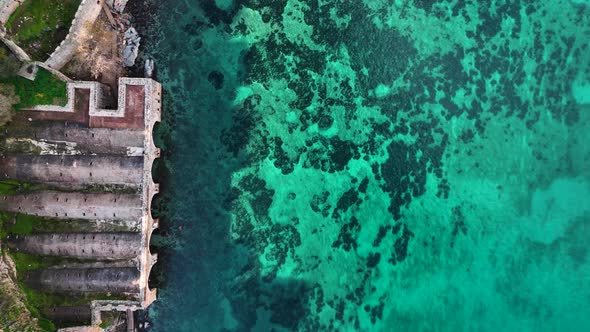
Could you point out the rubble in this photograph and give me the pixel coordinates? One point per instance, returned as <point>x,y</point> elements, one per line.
<point>131,43</point>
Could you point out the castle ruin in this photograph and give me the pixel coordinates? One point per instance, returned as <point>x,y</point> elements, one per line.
<point>94,158</point>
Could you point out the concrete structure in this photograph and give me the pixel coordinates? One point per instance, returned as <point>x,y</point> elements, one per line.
<point>100,146</point>
<point>85,280</point>
<point>81,170</point>
<point>100,246</point>
<point>97,142</point>
<point>63,139</point>
<point>73,205</point>
<point>69,314</point>
<point>20,54</point>
<point>90,104</point>
<point>81,329</point>
<point>7,7</point>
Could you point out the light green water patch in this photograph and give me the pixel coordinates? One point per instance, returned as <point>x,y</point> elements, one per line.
<point>251,26</point>
<point>224,4</point>
<point>294,26</point>
<point>491,265</point>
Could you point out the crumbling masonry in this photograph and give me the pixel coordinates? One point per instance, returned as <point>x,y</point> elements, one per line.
<point>95,158</point>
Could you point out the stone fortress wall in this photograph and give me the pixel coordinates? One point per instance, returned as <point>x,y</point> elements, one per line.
<point>103,246</point>
<point>86,145</point>
<point>75,205</point>
<point>69,280</point>
<point>71,138</point>
<point>81,169</point>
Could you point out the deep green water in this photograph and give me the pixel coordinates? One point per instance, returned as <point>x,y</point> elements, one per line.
<point>374,165</point>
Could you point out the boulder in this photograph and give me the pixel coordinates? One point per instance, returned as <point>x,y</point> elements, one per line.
<point>130,51</point>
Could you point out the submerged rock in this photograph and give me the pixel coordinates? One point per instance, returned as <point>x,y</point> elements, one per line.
<point>148,68</point>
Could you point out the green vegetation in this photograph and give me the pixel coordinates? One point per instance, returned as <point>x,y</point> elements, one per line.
<point>38,26</point>
<point>12,312</point>
<point>23,224</point>
<point>108,321</point>
<point>108,188</point>
<point>46,89</point>
<point>37,301</point>
<point>13,187</point>
<point>9,64</point>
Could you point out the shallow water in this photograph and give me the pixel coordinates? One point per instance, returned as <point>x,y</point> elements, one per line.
<point>374,165</point>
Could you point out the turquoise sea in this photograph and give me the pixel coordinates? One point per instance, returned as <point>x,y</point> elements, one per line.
<point>372,165</point>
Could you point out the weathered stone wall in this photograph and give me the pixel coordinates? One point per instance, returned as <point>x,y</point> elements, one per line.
<point>98,246</point>
<point>64,205</point>
<point>69,314</point>
<point>59,138</point>
<point>116,280</point>
<point>86,15</point>
<point>74,171</point>
<point>7,7</point>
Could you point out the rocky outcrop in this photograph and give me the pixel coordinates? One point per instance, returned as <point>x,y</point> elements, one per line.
<point>130,51</point>
<point>14,315</point>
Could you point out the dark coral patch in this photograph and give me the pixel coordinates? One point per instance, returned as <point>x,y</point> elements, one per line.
<point>330,155</point>
<point>458,223</point>
<point>348,199</point>
<point>363,186</point>
<point>373,260</point>
<point>281,159</point>
<point>400,247</point>
<point>236,138</point>
<point>216,79</point>
<point>262,196</point>
<point>380,235</point>
<point>348,235</point>
<point>318,203</point>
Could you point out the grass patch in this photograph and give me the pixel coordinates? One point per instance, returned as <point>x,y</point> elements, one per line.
<point>46,89</point>
<point>23,224</point>
<point>12,314</point>
<point>108,188</point>
<point>13,187</point>
<point>39,26</point>
<point>108,321</point>
<point>9,64</point>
